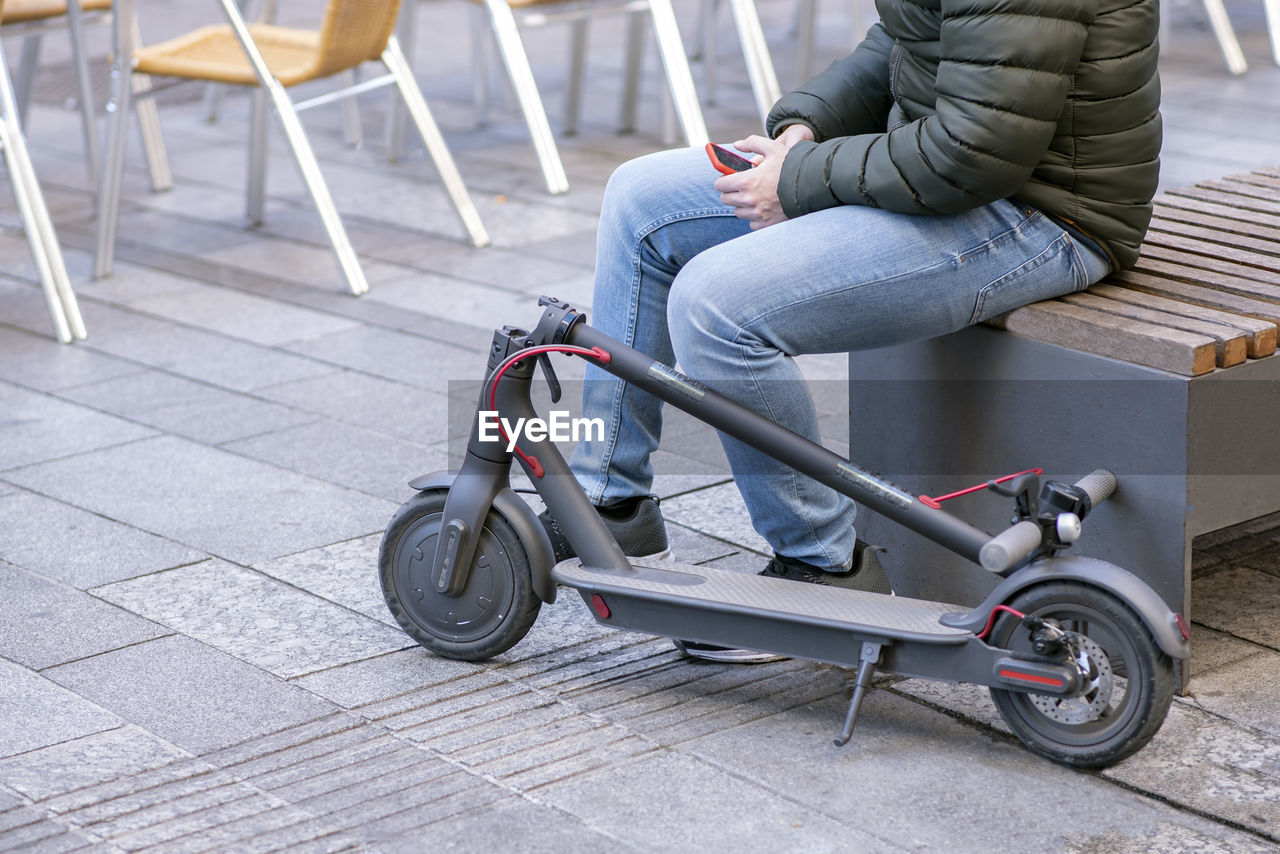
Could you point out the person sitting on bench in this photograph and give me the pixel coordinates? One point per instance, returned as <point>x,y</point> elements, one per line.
<point>966,159</point>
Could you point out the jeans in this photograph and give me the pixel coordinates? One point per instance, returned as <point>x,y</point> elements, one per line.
<point>683,280</point>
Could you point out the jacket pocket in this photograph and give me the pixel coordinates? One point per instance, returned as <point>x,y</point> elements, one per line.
<point>1055,271</point>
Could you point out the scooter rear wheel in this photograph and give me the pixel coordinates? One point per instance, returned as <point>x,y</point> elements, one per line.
<point>491,614</point>
<point>1128,688</point>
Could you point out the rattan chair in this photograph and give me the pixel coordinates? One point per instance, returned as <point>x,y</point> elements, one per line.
<point>273,59</point>
<point>506,17</point>
<point>35,215</point>
<point>31,19</point>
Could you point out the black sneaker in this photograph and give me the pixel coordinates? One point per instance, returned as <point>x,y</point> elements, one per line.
<point>867,575</point>
<point>636,523</point>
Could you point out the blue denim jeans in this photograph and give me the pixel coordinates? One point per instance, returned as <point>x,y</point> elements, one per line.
<point>683,280</point>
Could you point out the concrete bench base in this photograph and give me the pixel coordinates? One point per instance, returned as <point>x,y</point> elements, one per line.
<point>1192,454</point>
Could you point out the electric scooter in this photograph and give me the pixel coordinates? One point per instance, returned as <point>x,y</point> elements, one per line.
<point>1077,653</point>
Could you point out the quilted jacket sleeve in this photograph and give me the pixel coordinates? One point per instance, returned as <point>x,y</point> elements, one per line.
<point>851,97</point>
<point>963,137</point>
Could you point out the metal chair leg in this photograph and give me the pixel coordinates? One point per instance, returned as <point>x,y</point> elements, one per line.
<point>535,115</point>
<point>149,125</point>
<point>111,173</point>
<point>27,63</point>
<point>406,28</point>
<point>631,79</point>
<point>710,49</point>
<point>43,270</point>
<point>310,168</point>
<point>1272,9</point>
<point>352,132</point>
<point>577,71</point>
<point>255,195</point>
<point>764,81</point>
<point>84,88</point>
<point>45,251</point>
<point>394,59</point>
<point>679,78</point>
<point>302,152</point>
<point>806,25</point>
<point>1226,36</point>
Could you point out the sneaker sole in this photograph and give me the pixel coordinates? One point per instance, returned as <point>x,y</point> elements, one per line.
<point>727,656</point>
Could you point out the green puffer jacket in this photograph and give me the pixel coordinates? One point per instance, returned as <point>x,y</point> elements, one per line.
<point>951,104</point>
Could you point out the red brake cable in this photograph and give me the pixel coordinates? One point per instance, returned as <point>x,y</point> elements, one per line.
<point>936,503</point>
<point>599,354</point>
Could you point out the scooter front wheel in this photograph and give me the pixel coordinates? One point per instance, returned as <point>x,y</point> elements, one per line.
<point>491,614</point>
<point>1128,679</point>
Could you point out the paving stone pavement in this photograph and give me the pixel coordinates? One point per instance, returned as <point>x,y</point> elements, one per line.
<point>194,650</point>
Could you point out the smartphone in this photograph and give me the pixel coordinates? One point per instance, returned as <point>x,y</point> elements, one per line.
<point>726,161</point>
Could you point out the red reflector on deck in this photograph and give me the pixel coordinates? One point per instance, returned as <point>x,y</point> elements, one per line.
<point>597,602</point>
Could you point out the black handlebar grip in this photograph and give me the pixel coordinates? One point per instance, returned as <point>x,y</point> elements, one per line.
<point>1098,485</point>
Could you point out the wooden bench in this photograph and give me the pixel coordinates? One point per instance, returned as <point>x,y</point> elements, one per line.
<point>1167,374</point>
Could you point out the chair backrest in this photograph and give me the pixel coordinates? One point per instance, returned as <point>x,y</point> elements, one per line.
<point>355,31</point>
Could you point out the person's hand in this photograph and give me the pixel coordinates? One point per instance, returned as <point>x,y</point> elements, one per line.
<point>753,194</point>
<point>792,134</point>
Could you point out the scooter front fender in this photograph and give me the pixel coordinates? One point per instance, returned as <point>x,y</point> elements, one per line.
<point>1131,589</point>
<point>521,517</point>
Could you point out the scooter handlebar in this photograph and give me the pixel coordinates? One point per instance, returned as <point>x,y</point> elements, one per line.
<point>1098,485</point>
<point>1010,546</point>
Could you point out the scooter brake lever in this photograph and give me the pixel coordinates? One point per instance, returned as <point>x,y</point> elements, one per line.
<point>552,382</point>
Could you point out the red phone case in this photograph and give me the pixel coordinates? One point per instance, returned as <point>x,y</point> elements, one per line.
<point>725,161</point>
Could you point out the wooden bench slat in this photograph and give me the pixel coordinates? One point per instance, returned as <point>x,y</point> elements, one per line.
<point>1218,228</point>
<point>1183,208</point>
<point>1229,198</point>
<point>1234,242</point>
<point>1255,179</point>
<point>1246,195</point>
<point>1260,268</point>
<point>1229,348</point>
<point>1192,293</point>
<point>1080,328</point>
<point>1209,271</point>
<point>1260,335</point>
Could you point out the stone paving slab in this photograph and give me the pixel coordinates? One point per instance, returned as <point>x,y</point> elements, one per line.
<point>220,503</point>
<point>1241,602</point>
<point>187,693</point>
<point>38,712</point>
<point>344,573</point>
<point>186,408</point>
<point>39,364</point>
<point>500,825</point>
<point>396,409</point>
<point>717,511</point>
<point>255,619</point>
<point>346,455</point>
<point>395,356</point>
<point>48,624</point>
<point>79,548</point>
<point>240,315</point>
<point>97,758</point>
<point>40,428</point>
<point>673,818</point>
<point>192,352</point>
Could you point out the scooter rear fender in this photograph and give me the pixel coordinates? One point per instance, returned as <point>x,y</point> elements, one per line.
<point>521,517</point>
<point>1128,587</point>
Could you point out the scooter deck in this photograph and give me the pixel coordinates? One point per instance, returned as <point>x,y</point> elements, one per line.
<point>680,600</point>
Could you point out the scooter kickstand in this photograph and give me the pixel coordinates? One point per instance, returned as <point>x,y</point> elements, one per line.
<point>866,669</point>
